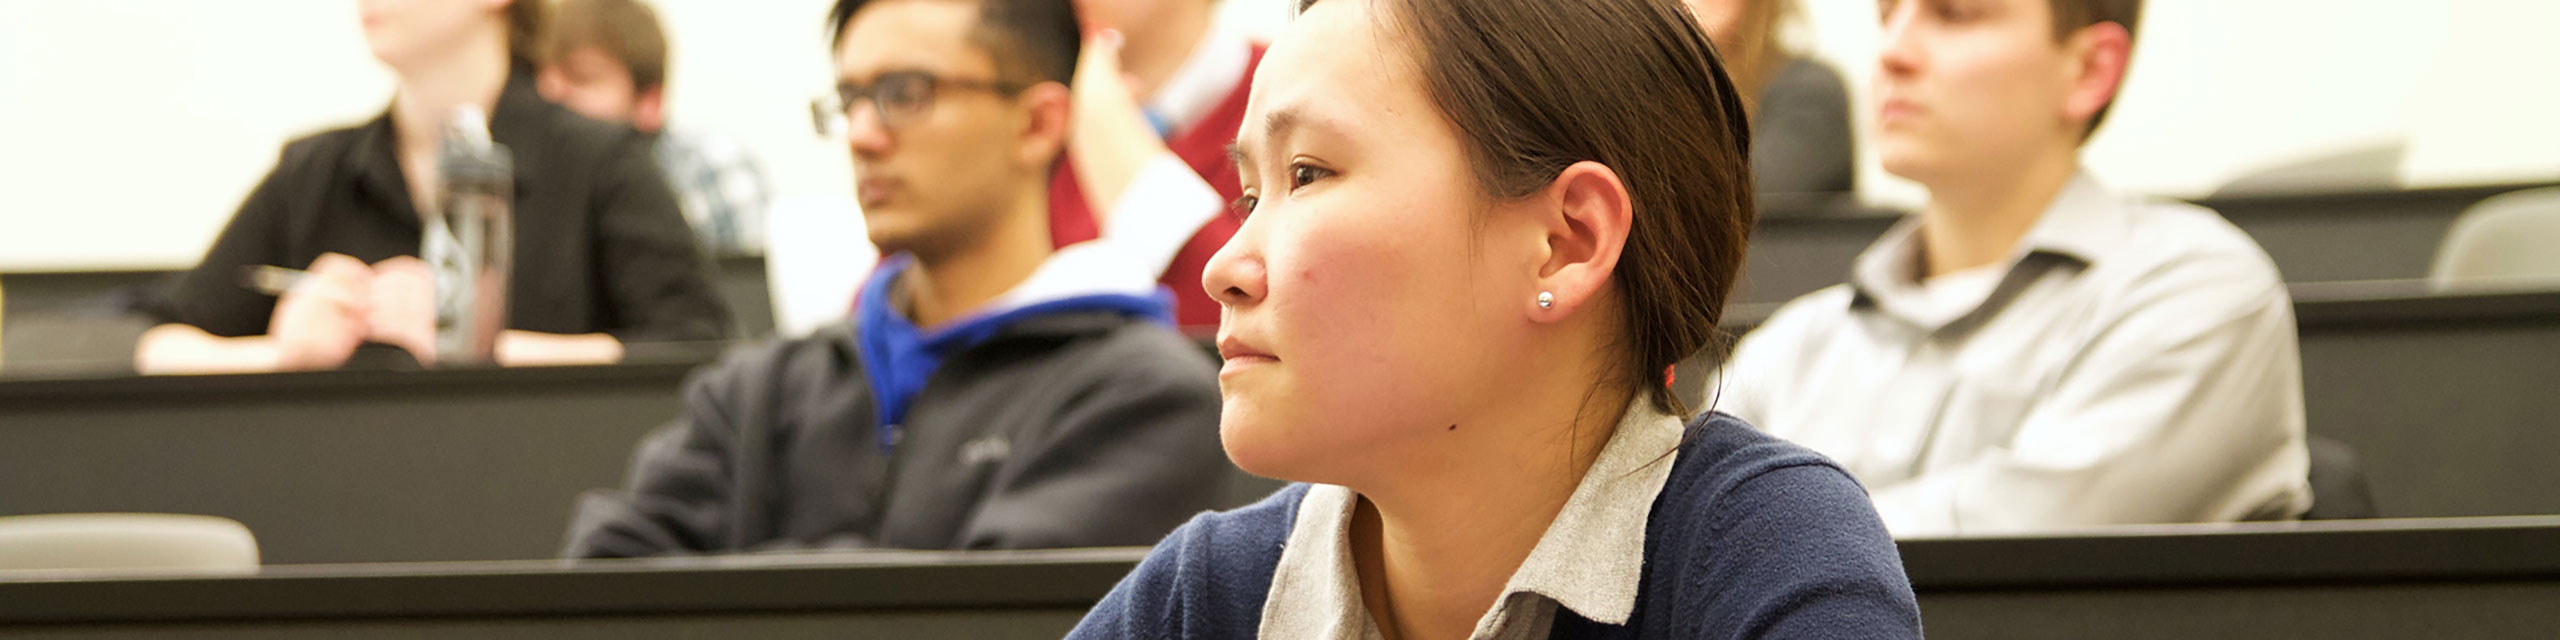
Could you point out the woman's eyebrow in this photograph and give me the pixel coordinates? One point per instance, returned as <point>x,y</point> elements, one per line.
<point>1276,128</point>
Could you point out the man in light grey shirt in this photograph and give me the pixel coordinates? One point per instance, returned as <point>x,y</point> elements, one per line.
<point>2033,351</point>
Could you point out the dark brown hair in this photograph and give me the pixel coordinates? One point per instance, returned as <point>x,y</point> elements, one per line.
<point>1534,86</point>
<point>627,30</point>
<point>2070,16</point>
<point>1031,40</point>
<point>524,28</point>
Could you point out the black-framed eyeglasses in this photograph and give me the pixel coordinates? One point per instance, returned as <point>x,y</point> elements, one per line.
<point>898,97</point>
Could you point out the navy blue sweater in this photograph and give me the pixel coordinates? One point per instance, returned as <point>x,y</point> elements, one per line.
<point>1752,537</point>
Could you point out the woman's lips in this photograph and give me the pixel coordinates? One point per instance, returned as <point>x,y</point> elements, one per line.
<point>1241,356</point>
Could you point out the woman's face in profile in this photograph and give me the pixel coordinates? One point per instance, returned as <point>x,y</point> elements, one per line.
<point>1373,288</point>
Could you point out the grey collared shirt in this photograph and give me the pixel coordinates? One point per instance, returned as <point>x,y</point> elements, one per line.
<point>1590,560</point>
<point>2135,362</point>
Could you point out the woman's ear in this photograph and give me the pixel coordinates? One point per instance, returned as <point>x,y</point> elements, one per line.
<point>1587,213</point>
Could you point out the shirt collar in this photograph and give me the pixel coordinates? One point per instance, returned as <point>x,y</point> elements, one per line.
<point>2084,223</point>
<point>1589,560</point>
<point>1205,79</point>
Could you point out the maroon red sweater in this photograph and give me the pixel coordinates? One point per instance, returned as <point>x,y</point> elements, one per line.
<point>1204,148</point>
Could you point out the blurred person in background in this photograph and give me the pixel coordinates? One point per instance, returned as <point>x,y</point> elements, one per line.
<point>602,256</point>
<point>2034,351</point>
<point>1801,138</point>
<point>607,60</point>
<point>990,391</point>
<point>1146,165</point>
<point>1188,79</point>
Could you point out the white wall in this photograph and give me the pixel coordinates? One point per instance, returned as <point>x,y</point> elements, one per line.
<point>129,129</point>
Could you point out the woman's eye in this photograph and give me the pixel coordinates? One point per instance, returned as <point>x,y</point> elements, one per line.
<point>1302,175</point>
<point>1299,176</point>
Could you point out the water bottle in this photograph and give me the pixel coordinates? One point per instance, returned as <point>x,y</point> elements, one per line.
<point>470,240</point>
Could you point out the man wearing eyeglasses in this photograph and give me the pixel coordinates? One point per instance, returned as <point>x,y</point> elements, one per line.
<point>989,392</point>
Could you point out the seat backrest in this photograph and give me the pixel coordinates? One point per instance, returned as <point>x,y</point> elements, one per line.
<point>2511,240</point>
<point>2358,168</point>
<point>93,541</point>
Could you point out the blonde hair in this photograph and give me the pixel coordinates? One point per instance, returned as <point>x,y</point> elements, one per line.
<point>1753,51</point>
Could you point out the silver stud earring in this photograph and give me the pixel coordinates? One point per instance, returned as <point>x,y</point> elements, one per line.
<point>1546,300</point>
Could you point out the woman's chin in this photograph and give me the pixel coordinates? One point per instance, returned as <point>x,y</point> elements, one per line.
<point>1256,448</point>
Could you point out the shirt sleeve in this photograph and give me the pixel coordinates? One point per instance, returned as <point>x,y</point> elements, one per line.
<point>1140,445</point>
<point>2185,407</point>
<point>1157,216</point>
<point>680,495</point>
<point>657,278</point>
<point>211,296</point>
<point>1159,212</point>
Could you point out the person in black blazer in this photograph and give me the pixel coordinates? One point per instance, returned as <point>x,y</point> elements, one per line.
<point>602,256</point>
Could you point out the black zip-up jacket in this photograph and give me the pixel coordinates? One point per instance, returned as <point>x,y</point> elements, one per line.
<point>1064,430</point>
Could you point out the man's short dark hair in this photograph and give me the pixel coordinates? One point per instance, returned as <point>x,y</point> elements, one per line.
<point>626,30</point>
<point>1031,40</point>
<point>2069,16</point>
